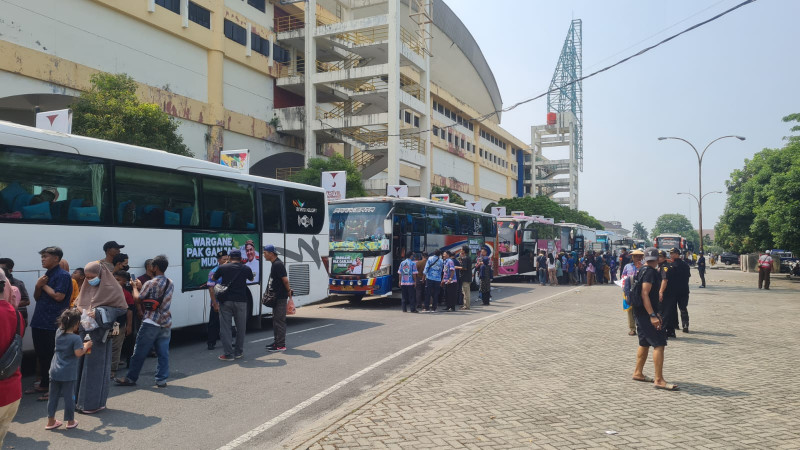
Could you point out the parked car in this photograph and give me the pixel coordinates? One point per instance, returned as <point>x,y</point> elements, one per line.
<point>729,258</point>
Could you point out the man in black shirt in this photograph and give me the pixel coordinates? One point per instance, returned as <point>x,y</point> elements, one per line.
<point>679,285</point>
<point>233,304</point>
<point>280,288</point>
<point>701,269</point>
<point>624,260</point>
<point>666,296</point>
<point>649,325</point>
<point>465,265</point>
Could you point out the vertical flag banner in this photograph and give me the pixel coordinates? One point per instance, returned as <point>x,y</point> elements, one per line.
<point>59,120</point>
<point>236,159</point>
<point>397,190</point>
<point>335,184</point>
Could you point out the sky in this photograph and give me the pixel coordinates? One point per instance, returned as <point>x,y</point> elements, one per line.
<point>736,75</point>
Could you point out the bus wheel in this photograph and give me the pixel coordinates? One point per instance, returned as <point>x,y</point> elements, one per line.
<point>355,299</point>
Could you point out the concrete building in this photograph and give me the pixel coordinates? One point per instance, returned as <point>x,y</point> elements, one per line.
<point>394,86</point>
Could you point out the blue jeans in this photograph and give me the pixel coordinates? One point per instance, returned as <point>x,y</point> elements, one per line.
<point>150,336</point>
<point>542,277</point>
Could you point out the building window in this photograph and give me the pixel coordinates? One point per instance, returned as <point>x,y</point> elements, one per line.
<point>199,15</point>
<point>449,136</point>
<point>259,44</point>
<point>436,131</point>
<point>513,151</point>
<point>416,121</point>
<point>408,117</point>
<point>441,109</point>
<point>471,127</point>
<point>280,54</point>
<point>435,105</point>
<point>235,32</point>
<point>172,5</point>
<point>481,153</point>
<point>462,143</point>
<point>258,4</point>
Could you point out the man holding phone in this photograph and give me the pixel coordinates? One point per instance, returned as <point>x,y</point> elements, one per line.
<point>649,324</point>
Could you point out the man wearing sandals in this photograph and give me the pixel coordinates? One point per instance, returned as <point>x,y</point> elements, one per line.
<point>649,324</point>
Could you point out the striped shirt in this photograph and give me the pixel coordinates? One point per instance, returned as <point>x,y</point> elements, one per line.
<point>159,288</point>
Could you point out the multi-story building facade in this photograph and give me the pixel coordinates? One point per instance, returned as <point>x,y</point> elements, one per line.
<point>401,88</point>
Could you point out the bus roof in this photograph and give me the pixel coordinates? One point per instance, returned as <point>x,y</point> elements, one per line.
<point>24,136</point>
<point>418,200</point>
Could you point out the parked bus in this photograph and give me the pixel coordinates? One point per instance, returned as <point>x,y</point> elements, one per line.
<point>519,240</point>
<point>370,236</point>
<point>667,241</point>
<point>77,193</point>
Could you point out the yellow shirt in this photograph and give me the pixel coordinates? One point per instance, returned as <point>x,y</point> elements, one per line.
<point>75,291</point>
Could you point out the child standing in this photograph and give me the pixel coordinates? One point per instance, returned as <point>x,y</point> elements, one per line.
<point>64,368</point>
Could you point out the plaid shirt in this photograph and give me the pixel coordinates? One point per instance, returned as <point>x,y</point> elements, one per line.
<point>155,289</point>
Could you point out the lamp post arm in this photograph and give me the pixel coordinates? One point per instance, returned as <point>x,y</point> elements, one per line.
<point>700,156</point>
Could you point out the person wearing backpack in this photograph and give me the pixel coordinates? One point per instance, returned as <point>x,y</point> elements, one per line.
<point>11,324</point>
<point>644,299</point>
<point>433,275</point>
<point>627,275</point>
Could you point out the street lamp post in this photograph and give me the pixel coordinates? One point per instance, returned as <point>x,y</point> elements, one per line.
<point>699,207</point>
<point>700,175</point>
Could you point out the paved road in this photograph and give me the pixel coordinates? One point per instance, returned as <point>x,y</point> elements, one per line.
<point>557,375</point>
<point>209,403</point>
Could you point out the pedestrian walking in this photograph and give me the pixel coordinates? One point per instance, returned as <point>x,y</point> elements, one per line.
<point>590,270</point>
<point>449,281</point>
<point>420,283</point>
<point>551,269</point>
<point>541,264</point>
<point>64,368</point>
<point>11,323</point>
<point>156,330</point>
<point>764,269</point>
<point>649,323</point>
<point>102,299</point>
<point>408,280</point>
<point>279,289</point>
<point>679,281</point>
<point>232,304</point>
<point>433,276</point>
<point>628,275</point>
<point>465,264</point>
<point>52,293</point>
<point>701,269</point>
<point>572,268</point>
<point>213,311</point>
<point>599,268</point>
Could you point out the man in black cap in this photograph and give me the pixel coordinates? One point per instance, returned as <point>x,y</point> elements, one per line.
<point>701,269</point>
<point>649,323</point>
<point>234,305</point>
<point>112,249</point>
<point>281,290</point>
<point>679,287</point>
<point>213,313</point>
<point>668,302</point>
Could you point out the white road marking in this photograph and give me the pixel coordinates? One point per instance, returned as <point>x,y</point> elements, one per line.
<point>293,332</point>
<point>300,406</point>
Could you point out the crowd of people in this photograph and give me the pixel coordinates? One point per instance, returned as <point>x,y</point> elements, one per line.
<point>87,322</point>
<point>573,268</point>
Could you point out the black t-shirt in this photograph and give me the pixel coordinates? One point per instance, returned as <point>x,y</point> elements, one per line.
<point>466,268</point>
<point>679,275</point>
<point>652,276</point>
<point>235,276</point>
<point>276,274</point>
<point>701,263</point>
<point>542,261</point>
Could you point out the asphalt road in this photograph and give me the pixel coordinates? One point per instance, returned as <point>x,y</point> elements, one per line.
<point>336,351</point>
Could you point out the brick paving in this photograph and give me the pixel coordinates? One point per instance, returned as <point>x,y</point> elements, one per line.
<point>558,375</point>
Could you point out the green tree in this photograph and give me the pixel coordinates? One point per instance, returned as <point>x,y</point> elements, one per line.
<point>543,206</point>
<point>312,175</point>
<point>676,223</point>
<point>110,110</point>
<point>763,207</point>
<point>639,231</point>
<point>454,197</point>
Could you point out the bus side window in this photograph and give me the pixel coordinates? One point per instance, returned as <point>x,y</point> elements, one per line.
<point>155,198</point>
<point>271,212</point>
<point>228,205</point>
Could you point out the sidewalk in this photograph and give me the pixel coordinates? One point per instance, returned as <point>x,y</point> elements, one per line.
<point>557,374</point>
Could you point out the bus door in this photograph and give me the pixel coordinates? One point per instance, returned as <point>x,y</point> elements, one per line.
<point>270,209</point>
<point>527,248</point>
<point>401,245</point>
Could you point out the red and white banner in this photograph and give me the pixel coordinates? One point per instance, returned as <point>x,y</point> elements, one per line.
<point>397,190</point>
<point>236,159</point>
<point>59,120</point>
<point>335,184</point>
<point>498,211</point>
<point>473,206</point>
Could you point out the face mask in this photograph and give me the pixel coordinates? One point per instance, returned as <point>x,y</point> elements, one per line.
<point>94,281</point>
<point>125,268</point>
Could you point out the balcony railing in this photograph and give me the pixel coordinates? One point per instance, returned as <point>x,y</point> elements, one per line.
<point>285,173</point>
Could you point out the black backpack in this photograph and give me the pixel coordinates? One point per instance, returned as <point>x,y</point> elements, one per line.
<point>12,358</point>
<point>635,299</point>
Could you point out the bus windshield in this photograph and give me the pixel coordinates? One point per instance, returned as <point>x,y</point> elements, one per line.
<point>358,226</point>
<point>668,242</point>
<point>506,244</point>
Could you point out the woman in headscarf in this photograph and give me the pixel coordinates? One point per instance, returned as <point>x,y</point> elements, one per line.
<point>101,297</point>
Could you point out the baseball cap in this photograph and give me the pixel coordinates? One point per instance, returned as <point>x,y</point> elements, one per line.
<point>270,248</point>
<point>638,251</point>
<point>111,244</point>
<point>651,254</point>
<point>662,253</point>
<point>222,253</point>
<point>768,252</point>
<point>235,254</point>
<point>675,250</point>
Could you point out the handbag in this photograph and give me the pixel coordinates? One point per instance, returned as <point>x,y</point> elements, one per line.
<point>12,358</point>
<point>290,308</point>
<point>221,290</point>
<point>269,299</point>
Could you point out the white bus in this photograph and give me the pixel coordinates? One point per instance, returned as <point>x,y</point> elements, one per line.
<point>154,202</point>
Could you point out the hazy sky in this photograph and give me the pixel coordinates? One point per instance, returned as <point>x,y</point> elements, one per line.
<point>736,75</point>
